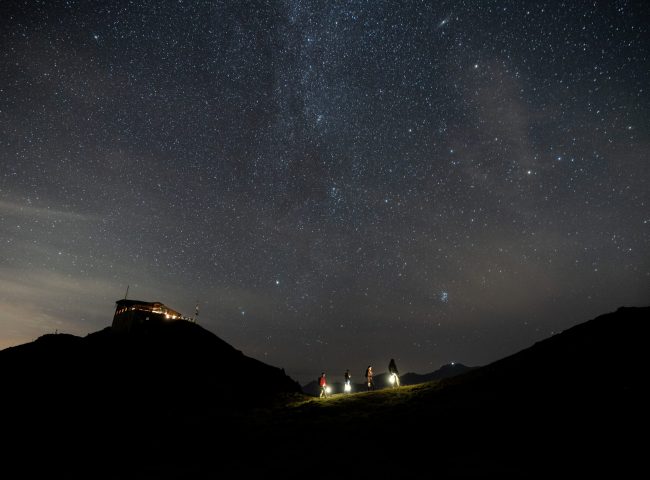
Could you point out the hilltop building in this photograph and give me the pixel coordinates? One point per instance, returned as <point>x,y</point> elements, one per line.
<point>130,313</point>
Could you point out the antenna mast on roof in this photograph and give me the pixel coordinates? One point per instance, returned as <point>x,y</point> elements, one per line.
<point>127,292</point>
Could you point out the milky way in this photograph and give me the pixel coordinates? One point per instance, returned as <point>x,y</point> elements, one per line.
<point>334,183</point>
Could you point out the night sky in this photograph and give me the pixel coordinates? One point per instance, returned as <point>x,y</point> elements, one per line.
<point>334,183</point>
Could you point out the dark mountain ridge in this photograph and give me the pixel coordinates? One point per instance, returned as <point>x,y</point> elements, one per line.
<point>587,359</point>
<point>446,371</point>
<point>165,365</point>
<point>571,405</point>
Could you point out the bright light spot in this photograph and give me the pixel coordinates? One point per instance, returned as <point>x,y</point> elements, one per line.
<point>529,172</point>
<point>347,388</point>
<point>476,65</point>
<point>277,282</point>
<point>453,363</point>
<point>328,389</point>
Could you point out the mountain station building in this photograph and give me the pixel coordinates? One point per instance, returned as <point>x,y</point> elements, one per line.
<point>130,313</point>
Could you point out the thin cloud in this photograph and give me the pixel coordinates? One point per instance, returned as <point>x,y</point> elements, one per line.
<point>44,301</point>
<point>27,210</point>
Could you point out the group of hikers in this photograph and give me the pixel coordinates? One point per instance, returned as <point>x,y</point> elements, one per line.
<point>347,386</point>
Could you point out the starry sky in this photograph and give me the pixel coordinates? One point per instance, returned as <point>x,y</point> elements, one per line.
<point>334,183</point>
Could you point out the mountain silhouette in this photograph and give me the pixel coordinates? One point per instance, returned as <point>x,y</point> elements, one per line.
<point>573,365</point>
<point>446,371</point>
<point>574,404</point>
<point>86,396</point>
<point>161,366</point>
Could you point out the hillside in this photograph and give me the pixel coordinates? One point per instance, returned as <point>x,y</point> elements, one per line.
<point>569,405</point>
<point>162,366</point>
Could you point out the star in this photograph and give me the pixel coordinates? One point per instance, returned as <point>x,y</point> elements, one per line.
<point>360,154</point>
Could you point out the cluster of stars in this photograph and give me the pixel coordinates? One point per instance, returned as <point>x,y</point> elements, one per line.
<point>305,165</point>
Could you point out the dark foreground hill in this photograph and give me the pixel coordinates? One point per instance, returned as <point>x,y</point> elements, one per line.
<point>69,399</point>
<point>571,405</point>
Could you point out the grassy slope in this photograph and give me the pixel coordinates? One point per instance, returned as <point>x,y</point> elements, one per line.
<point>414,429</point>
